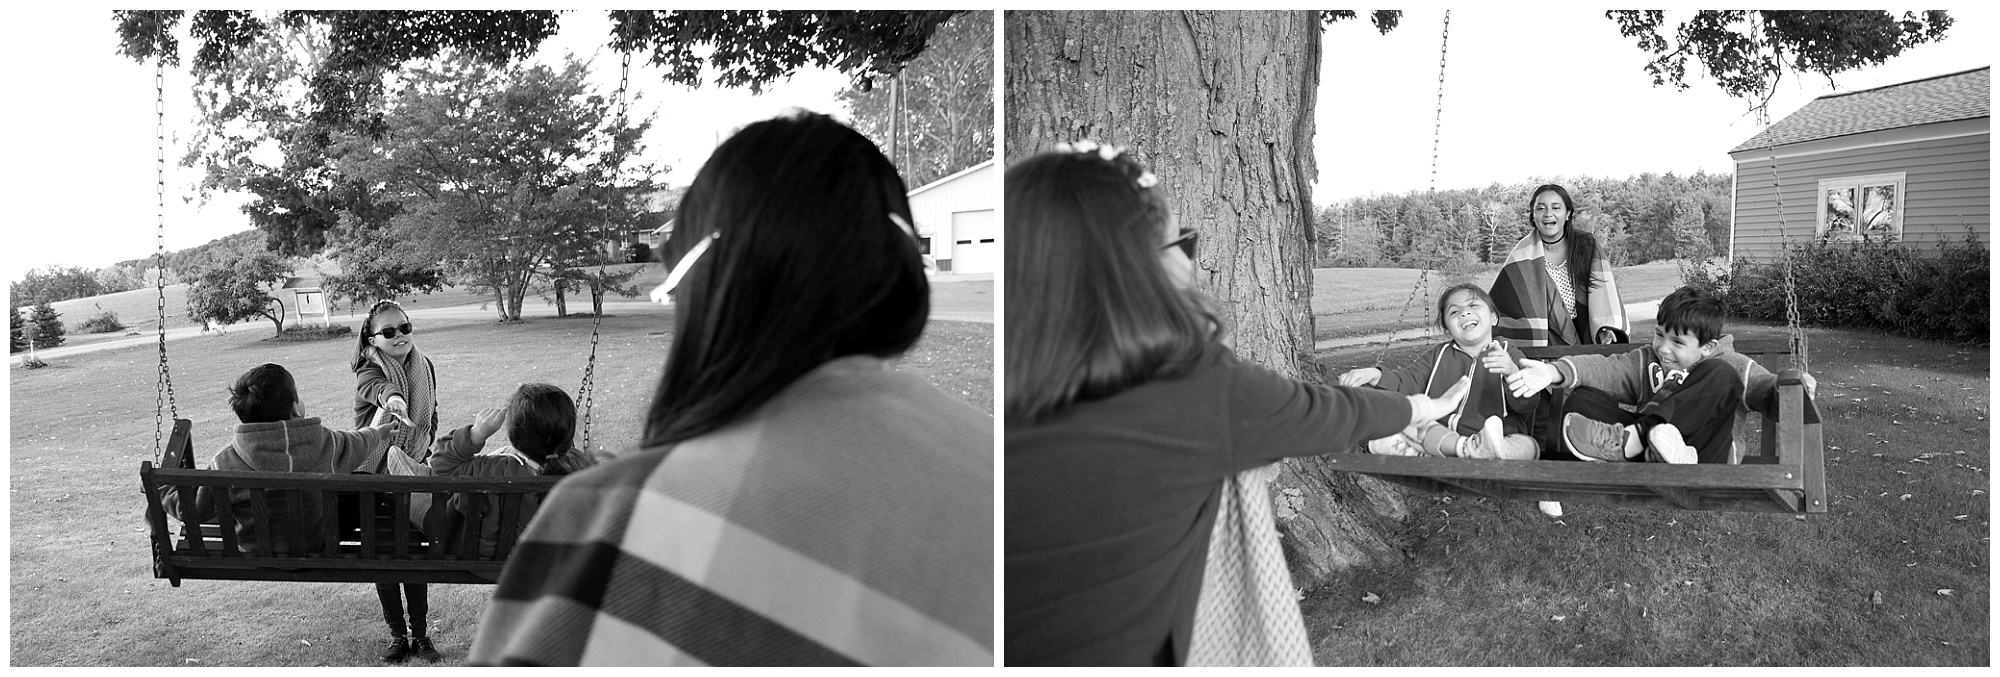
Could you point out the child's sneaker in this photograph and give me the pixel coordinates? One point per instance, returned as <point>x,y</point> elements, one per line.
<point>1668,447</point>
<point>420,646</point>
<point>1593,440</point>
<point>398,650</point>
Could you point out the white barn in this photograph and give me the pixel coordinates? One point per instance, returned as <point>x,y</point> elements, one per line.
<point>957,217</point>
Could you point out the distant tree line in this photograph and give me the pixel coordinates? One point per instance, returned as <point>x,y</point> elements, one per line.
<point>1648,217</point>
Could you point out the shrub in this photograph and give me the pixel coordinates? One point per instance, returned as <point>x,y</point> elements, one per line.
<point>48,326</point>
<point>103,321</point>
<point>1879,285</point>
<point>311,333</point>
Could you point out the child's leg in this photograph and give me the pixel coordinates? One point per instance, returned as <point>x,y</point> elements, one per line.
<point>420,607</point>
<point>392,608</point>
<point>1701,410</point>
<point>1593,427</point>
<point>1437,440</point>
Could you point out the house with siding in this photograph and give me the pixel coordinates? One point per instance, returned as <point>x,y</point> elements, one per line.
<point>1906,162</point>
<point>956,222</point>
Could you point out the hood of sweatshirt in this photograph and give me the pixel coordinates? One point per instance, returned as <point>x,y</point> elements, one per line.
<point>297,445</point>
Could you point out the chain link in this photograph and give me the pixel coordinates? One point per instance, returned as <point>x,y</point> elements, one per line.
<point>1437,131</point>
<point>163,390</point>
<point>584,391</point>
<point>1801,350</point>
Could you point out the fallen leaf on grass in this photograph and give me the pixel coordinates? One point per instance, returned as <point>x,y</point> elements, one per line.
<point>1558,619</point>
<point>1978,492</point>
<point>1960,518</point>
<point>1371,598</point>
<point>1876,598</point>
<point>305,642</point>
<point>1910,564</point>
<point>1903,497</point>
<point>1946,592</point>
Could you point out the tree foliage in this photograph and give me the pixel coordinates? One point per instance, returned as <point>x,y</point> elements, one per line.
<point>498,172</point>
<point>17,335</point>
<point>52,283</point>
<point>946,120</point>
<point>1643,218</point>
<point>1749,52</point>
<point>230,292</point>
<point>47,330</point>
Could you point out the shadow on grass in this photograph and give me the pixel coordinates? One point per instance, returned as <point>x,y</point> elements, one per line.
<point>1492,584</point>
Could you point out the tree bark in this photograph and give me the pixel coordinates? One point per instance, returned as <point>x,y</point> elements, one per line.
<point>1220,106</point>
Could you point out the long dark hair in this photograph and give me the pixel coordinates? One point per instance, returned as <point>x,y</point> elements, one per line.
<point>368,329</point>
<point>1090,309</point>
<point>541,423</point>
<point>1582,245</point>
<point>807,265</point>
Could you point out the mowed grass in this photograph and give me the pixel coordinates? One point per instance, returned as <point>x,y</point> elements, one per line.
<point>1364,301</point>
<point>1907,466</point>
<point>81,580</point>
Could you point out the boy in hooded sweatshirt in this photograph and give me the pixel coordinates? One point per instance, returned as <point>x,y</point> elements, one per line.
<point>276,436</point>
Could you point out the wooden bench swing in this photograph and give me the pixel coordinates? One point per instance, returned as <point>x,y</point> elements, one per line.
<point>363,546</point>
<point>1784,472</point>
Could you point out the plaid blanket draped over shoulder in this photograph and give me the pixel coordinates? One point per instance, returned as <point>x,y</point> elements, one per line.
<point>1531,309</point>
<point>847,522</point>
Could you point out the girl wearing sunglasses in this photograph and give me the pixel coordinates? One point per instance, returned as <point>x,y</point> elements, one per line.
<point>1126,415</point>
<point>394,379</point>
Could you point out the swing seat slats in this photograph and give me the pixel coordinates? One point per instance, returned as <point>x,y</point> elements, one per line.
<point>371,540</point>
<point>1783,470</point>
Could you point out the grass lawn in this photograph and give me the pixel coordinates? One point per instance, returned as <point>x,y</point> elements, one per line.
<point>1363,301</point>
<point>1864,584</point>
<point>81,580</point>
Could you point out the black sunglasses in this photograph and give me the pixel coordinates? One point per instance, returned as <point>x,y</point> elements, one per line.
<point>390,332</point>
<point>1186,242</point>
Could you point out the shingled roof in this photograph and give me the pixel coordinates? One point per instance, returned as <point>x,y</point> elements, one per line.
<point>1963,95</point>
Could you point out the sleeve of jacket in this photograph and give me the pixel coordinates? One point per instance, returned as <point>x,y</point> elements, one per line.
<point>353,449</point>
<point>453,450</point>
<point>1622,375</point>
<point>1274,417</point>
<point>1759,384</point>
<point>1408,378</point>
<point>204,497</point>
<point>372,387</point>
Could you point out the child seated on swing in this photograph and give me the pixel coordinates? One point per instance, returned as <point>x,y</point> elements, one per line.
<point>540,420</point>
<point>1490,422</point>
<point>276,436</point>
<point>1673,401</point>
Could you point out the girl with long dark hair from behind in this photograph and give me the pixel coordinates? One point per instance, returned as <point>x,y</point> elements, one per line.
<point>1126,415</point>
<point>796,500</point>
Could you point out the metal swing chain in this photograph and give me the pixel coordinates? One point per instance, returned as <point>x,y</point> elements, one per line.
<point>163,396</point>
<point>1801,351</point>
<point>597,318</point>
<point>1437,130</point>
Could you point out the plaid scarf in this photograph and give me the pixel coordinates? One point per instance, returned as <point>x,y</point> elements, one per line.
<point>1530,306</point>
<point>419,387</point>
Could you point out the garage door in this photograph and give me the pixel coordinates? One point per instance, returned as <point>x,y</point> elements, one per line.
<point>975,242</point>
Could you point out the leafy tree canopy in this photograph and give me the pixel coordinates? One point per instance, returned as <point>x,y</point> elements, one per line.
<point>945,124</point>
<point>1748,52</point>
<point>233,291</point>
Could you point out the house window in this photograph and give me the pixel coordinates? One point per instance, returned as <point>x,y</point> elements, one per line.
<point>1858,207</point>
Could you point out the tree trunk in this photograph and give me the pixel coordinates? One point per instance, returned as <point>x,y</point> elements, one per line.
<point>562,308</point>
<point>1220,106</point>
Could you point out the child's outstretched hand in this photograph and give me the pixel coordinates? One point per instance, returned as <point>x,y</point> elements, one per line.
<point>1365,376</point>
<point>398,408</point>
<point>487,422</point>
<point>1432,408</point>
<point>1535,376</point>
<point>1495,359</point>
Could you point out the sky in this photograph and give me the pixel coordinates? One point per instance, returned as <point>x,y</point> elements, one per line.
<point>85,196</point>
<point>1526,95</point>
<point>1549,93</point>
